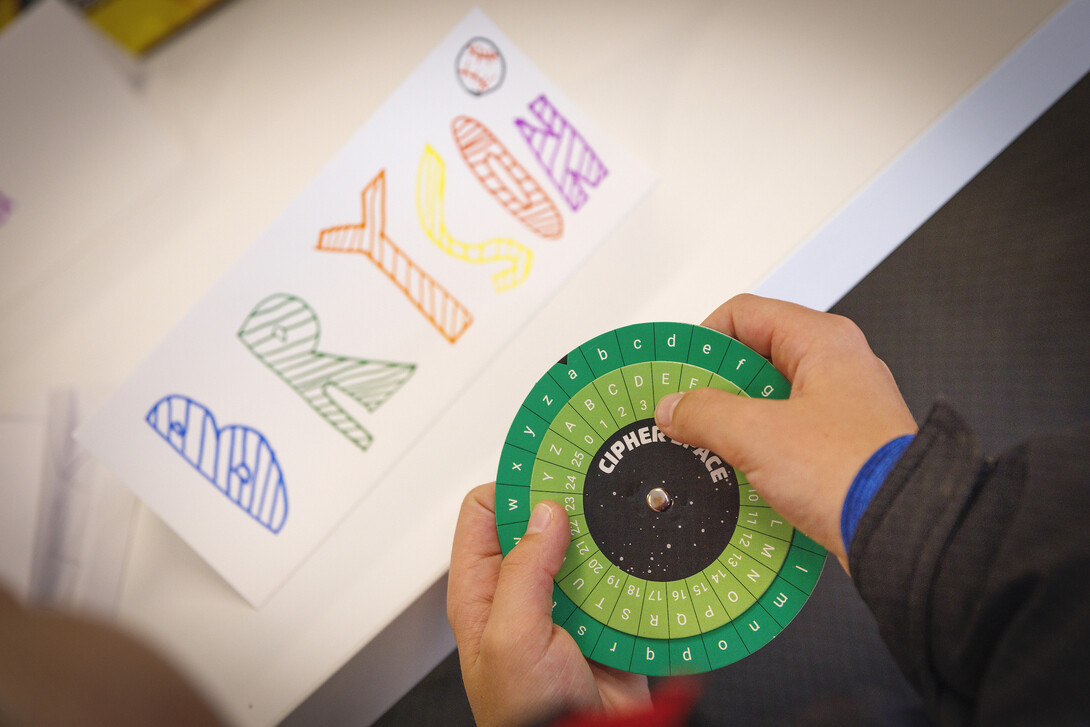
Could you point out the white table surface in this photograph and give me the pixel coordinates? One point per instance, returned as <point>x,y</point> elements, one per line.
<point>761,120</point>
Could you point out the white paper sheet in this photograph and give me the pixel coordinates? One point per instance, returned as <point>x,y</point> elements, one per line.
<point>76,146</point>
<point>374,299</point>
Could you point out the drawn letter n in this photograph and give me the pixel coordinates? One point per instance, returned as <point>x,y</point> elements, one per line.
<point>563,152</point>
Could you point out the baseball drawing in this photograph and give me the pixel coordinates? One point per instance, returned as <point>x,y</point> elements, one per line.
<point>480,66</point>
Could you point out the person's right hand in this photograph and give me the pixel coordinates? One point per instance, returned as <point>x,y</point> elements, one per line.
<point>800,454</point>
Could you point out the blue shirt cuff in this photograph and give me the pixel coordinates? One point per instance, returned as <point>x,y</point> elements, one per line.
<point>866,484</point>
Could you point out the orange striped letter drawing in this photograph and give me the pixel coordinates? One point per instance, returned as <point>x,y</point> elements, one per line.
<point>506,179</point>
<point>449,316</point>
<point>430,180</point>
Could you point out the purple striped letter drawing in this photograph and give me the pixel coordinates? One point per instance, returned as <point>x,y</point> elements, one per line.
<point>563,152</point>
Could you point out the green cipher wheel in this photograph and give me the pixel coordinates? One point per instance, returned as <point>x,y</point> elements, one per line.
<point>676,564</point>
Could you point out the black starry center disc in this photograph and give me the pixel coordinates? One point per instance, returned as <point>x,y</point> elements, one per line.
<point>690,526</point>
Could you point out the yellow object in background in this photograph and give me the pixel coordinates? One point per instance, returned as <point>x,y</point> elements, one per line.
<point>140,24</point>
<point>8,10</point>
<point>135,24</point>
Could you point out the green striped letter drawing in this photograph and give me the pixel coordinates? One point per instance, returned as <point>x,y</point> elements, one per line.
<point>283,332</point>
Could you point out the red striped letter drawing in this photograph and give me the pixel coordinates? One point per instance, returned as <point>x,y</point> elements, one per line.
<point>506,179</point>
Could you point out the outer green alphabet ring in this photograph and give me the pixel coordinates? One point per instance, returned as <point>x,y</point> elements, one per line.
<point>676,564</point>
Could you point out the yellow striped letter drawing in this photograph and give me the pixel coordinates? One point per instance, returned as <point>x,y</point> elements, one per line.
<point>430,205</point>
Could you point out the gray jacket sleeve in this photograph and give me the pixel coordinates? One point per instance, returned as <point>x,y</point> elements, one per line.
<point>978,572</point>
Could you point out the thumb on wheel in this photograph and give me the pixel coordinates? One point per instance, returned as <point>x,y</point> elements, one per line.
<point>524,593</point>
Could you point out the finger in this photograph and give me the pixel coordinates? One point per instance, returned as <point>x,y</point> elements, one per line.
<point>474,568</point>
<point>522,606</point>
<point>756,436</point>
<point>781,331</point>
<point>734,427</point>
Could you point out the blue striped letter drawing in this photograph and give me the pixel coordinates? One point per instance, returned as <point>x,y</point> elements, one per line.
<point>236,459</point>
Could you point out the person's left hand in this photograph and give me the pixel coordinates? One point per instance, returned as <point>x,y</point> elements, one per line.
<point>517,665</point>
